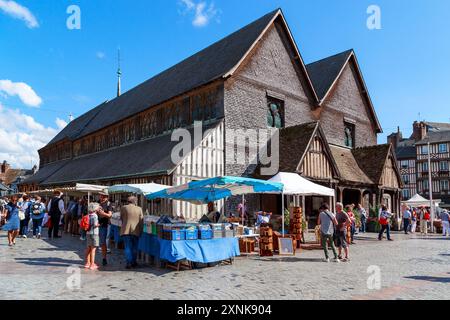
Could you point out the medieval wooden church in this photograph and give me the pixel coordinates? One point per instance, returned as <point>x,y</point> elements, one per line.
<point>254,78</point>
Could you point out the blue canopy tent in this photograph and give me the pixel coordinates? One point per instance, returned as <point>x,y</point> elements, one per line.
<point>212,189</point>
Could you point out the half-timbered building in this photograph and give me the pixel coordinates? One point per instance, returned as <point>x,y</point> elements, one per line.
<point>254,79</point>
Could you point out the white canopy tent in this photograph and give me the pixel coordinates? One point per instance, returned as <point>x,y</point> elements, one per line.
<point>144,189</point>
<point>294,184</point>
<point>141,190</point>
<point>418,201</point>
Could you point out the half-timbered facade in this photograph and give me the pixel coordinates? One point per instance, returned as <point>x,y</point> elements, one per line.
<point>412,157</point>
<point>254,79</point>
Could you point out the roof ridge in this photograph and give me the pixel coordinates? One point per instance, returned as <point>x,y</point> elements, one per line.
<point>332,56</point>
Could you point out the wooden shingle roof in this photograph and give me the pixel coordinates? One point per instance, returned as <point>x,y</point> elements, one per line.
<point>372,160</point>
<point>209,64</point>
<point>349,168</point>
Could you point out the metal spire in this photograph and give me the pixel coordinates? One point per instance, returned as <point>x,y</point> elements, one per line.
<point>119,73</point>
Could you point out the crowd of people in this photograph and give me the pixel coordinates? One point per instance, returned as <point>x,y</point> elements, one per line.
<point>90,222</point>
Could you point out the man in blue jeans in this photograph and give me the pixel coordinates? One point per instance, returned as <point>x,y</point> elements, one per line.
<point>105,214</point>
<point>132,226</point>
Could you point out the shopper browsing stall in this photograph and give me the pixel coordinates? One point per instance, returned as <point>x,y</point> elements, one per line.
<point>105,214</point>
<point>327,221</point>
<point>132,225</point>
<point>37,215</point>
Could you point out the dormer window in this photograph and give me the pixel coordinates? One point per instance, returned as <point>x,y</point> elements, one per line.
<point>349,134</point>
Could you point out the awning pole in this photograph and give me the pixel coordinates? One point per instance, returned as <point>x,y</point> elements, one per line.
<point>243,209</point>
<point>282,214</point>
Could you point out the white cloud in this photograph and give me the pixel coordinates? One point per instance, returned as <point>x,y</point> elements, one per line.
<point>203,13</point>
<point>100,55</point>
<point>60,123</point>
<point>21,136</point>
<point>18,11</point>
<point>22,90</point>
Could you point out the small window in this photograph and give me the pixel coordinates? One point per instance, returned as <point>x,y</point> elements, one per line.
<point>424,149</point>
<point>443,166</point>
<point>349,134</point>
<point>405,194</point>
<point>405,179</point>
<point>425,184</point>
<point>404,164</point>
<point>424,166</point>
<point>443,148</point>
<point>275,113</point>
<point>444,185</point>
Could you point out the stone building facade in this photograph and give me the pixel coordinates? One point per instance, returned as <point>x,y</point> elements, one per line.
<point>254,79</point>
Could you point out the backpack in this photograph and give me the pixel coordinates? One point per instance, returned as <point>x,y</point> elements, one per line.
<point>36,209</point>
<point>85,223</point>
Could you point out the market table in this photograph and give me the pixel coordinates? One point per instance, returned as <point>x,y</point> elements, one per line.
<point>115,234</point>
<point>202,251</point>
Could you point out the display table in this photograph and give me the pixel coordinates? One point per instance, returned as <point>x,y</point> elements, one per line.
<point>202,251</point>
<point>115,234</point>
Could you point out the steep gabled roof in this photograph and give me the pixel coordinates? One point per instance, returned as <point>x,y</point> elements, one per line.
<point>349,168</point>
<point>294,143</point>
<point>149,157</point>
<point>372,160</point>
<point>325,74</point>
<point>219,60</point>
<point>212,63</point>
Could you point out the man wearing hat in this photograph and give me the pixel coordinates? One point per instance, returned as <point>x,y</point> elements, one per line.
<point>55,210</point>
<point>104,214</point>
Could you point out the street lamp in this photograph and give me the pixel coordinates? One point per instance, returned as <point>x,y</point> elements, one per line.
<point>430,183</point>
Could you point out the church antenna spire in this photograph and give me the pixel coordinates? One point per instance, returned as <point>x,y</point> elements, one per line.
<point>119,73</point>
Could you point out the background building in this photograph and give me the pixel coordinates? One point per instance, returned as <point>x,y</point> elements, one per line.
<point>11,178</point>
<point>412,156</point>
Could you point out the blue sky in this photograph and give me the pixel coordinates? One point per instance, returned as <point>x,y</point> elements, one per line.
<point>405,64</point>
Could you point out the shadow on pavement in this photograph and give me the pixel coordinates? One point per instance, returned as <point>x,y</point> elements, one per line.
<point>428,278</point>
<point>290,259</point>
<point>52,262</point>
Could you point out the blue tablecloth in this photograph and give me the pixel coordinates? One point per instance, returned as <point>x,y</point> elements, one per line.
<point>115,234</point>
<point>204,251</point>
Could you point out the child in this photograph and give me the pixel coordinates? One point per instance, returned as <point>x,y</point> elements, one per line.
<point>92,237</point>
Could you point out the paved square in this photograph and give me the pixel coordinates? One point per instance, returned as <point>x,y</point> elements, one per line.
<point>412,267</point>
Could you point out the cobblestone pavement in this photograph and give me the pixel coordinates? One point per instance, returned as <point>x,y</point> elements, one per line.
<point>412,267</point>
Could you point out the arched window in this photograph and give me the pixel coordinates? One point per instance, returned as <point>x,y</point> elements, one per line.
<point>349,135</point>
<point>275,114</point>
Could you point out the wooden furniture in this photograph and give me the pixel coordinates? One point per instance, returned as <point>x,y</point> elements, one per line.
<point>266,241</point>
<point>246,245</point>
<point>295,226</point>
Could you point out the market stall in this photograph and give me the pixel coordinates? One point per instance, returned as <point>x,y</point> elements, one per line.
<point>294,184</point>
<point>136,189</point>
<point>203,243</point>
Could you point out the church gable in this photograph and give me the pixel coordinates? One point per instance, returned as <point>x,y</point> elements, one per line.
<point>347,105</point>
<point>270,64</point>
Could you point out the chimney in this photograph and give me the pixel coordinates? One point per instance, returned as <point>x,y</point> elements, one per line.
<point>419,130</point>
<point>395,138</point>
<point>5,166</point>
